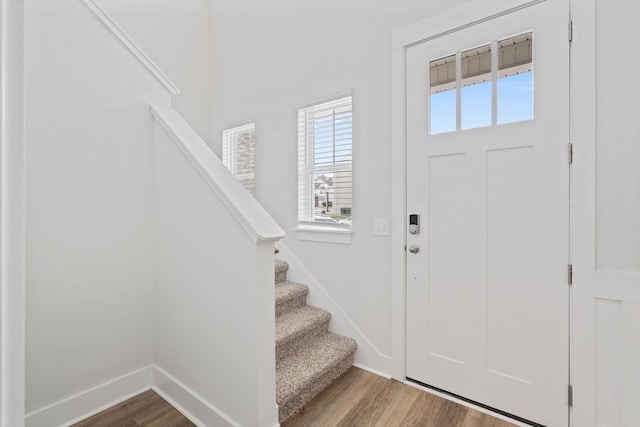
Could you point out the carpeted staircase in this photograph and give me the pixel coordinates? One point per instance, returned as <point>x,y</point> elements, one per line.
<point>308,356</point>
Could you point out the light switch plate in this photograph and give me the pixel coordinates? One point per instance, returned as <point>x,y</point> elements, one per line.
<point>381,227</point>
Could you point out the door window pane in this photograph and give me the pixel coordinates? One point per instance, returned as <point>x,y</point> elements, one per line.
<point>476,87</point>
<point>515,98</point>
<point>485,85</point>
<point>515,79</point>
<point>443,95</point>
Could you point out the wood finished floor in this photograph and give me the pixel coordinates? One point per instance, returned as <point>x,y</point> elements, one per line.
<point>357,399</point>
<point>144,410</point>
<point>360,398</point>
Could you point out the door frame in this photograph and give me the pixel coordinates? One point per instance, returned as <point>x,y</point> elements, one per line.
<point>461,17</point>
<point>590,282</point>
<point>12,214</point>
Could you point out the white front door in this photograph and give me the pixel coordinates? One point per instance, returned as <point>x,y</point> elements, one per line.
<point>488,177</point>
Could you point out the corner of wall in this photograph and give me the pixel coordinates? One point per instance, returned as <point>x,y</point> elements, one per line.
<point>187,402</point>
<point>83,405</point>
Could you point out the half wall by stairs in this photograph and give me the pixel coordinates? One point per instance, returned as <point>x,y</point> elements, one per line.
<point>308,356</point>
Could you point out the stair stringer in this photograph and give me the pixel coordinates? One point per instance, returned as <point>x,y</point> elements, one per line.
<point>368,356</point>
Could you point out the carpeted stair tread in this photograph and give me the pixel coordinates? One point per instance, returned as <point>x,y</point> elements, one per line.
<point>305,372</point>
<point>296,323</point>
<point>289,290</point>
<point>281,268</point>
<point>308,356</point>
<point>290,295</point>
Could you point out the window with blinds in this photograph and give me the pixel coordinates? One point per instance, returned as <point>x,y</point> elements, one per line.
<point>238,153</point>
<point>324,164</point>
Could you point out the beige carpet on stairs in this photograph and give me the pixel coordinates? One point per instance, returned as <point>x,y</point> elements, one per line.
<point>308,356</point>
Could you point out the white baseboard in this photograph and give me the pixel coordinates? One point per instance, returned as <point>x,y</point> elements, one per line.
<point>373,371</point>
<point>191,405</point>
<point>86,404</point>
<point>83,405</point>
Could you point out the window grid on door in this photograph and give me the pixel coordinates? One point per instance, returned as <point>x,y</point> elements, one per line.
<point>488,85</point>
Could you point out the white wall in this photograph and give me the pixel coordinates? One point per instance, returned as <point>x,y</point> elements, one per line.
<point>618,131</point>
<point>175,35</point>
<point>12,230</point>
<point>90,314</point>
<point>269,58</point>
<point>215,317</point>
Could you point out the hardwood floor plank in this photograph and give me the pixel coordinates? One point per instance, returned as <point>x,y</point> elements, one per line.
<point>379,406</point>
<point>479,419</point>
<point>422,413</point>
<point>367,407</point>
<point>400,399</point>
<point>330,406</point>
<point>169,419</point>
<point>144,410</point>
<point>450,414</point>
<point>362,399</point>
<point>357,399</point>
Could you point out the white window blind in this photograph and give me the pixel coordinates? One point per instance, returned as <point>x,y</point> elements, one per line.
<point>238,153</point>
<point>324,164</point>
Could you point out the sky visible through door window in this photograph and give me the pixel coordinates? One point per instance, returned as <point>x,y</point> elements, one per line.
<point>515,94</point>
<point>490,84</point>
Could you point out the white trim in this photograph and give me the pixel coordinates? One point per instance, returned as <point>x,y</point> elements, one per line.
<point>90,402</point>
<point>373,371</point>
<point>258,224</point>
<point>340,167</point>
<point>398,213</point>
<point>12,215</point>
<point>583,208</point>
<point>323,99</point>
<point>458,18</point>
<point>467,404</point>
<point>368,354</point>
<point>135,50</point>
<point>188,402</point>
<point>83,405</point>
<point>324,234</point>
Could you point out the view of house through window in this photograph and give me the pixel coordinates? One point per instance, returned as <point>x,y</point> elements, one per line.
<point>487,85</point>
<point>238,153</point>
<point>324,164</point>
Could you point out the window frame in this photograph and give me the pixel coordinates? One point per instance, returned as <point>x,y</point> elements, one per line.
<point>230,145</point>
<point>308,167</point>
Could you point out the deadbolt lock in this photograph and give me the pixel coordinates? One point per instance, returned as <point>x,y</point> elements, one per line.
<point>414,224</point>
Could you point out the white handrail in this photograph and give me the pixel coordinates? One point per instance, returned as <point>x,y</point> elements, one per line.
<point>260,226</point>
<point>132,47</point>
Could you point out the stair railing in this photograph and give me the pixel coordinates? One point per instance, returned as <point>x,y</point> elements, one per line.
<point>215,252</point>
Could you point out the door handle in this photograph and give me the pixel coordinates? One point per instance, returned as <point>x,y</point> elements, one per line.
<point>414,249</point>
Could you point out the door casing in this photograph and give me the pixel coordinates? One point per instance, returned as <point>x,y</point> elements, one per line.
<point>455,19</point>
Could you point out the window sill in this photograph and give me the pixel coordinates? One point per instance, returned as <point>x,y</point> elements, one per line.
<point>324,234</point>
